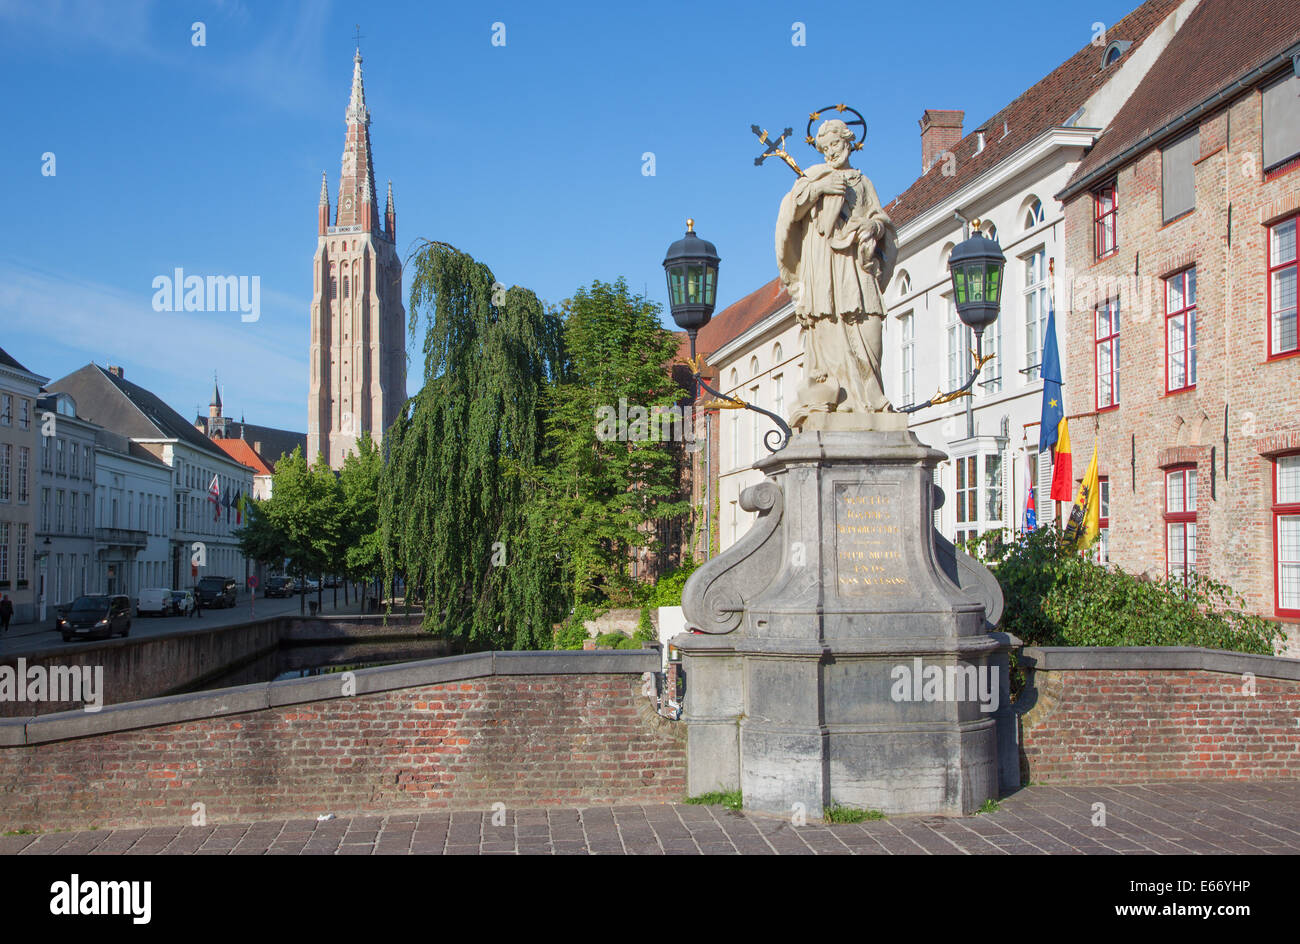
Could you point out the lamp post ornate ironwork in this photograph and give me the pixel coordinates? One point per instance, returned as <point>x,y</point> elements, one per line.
<point>691,266</point>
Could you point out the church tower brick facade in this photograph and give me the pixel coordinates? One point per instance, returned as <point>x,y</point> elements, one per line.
<point>358,323</point>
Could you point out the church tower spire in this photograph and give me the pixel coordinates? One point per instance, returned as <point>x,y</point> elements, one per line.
<point>358,325</point>
<point>323,208</point>
<point>357,185</point>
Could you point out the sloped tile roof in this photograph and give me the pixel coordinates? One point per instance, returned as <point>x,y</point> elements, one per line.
<point>1221,42</point>
<point>241,451</point>
<point>128,409</point>
<point>740,316</point>
<point>1048,104</point>
<point>275,442</point>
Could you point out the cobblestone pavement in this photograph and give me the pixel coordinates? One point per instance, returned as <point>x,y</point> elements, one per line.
<point>1197,818</point>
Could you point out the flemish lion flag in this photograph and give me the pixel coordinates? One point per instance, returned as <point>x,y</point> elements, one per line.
<point>1085,516</point>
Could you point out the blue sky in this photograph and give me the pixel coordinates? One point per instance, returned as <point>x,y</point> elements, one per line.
<point>528,156</point>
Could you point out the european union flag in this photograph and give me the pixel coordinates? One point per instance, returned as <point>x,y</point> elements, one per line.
<point>1053,400</point>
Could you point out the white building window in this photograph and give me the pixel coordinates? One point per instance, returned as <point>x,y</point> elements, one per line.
<point>1034,215</point>
<point>1036,309</point>
<point>907,326</point>
<point>778,395</point>
<point>756,429</point>
<point>735,439</point>
<point>958,339</point>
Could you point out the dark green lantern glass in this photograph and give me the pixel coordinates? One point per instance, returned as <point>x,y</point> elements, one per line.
<point>691,266</point>
<point>976,266</point>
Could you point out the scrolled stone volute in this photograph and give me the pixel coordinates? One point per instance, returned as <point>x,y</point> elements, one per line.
<point>974,579</point>
<point>714,598</point>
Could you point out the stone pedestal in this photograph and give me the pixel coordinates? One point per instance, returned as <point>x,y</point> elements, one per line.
<point>846,652</point>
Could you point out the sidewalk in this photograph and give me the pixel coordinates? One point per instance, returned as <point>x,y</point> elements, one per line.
<point>1182,818</point>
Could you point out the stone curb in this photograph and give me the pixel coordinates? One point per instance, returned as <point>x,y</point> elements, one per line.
<point>1155,658</point>
<point>173,709</point>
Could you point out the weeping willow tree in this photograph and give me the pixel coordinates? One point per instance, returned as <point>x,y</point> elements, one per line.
<point>458,484</point>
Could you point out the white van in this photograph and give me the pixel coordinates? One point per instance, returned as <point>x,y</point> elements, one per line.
<point>157,600</point>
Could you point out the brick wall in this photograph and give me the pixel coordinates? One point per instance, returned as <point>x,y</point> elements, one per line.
<point>1135,725</point>
<point>521,740</point>
<point>1150,428</point>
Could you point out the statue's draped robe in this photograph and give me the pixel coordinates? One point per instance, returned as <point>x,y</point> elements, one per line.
<point>835,296</point>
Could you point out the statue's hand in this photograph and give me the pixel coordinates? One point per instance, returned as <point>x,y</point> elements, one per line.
<point>866,252</point>
<point>830,185</point>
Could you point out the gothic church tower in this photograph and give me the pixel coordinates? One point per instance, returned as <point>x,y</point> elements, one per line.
<point>358,324</point>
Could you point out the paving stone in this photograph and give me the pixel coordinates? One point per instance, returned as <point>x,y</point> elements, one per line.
<point>1176,819</point>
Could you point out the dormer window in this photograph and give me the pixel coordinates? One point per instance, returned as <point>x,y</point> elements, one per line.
<point>1113,51</point>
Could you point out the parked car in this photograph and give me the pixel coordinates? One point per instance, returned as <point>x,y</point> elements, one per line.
<point>155,600</point>
<point>182,602</point>
<point>97,616</point>
<point>217,591</point>
<point>306,585</point>
<point>279,587</point>
<point>331,582</point>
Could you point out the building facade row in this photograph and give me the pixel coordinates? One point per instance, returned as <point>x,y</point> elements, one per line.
<point>105,489</point>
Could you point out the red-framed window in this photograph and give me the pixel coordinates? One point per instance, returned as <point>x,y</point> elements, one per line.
<point>1107,358</point>
<point>1281,288</point>
<point>1103,539</point>
<point>1286,534</point>
<point>1180,331</point>
<point>1104,206</point>
<point>1180,521</point>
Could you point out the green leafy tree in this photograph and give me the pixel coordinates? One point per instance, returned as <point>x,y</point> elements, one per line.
<point>260,539</point>
<point>327,540</point>
<point>359,480</point>
<point>462,460</point>
<point>604,481</point>
<point>293,515</point>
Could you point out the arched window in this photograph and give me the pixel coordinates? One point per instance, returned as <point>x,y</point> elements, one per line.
<point>944,254</point>
<point>1034,214</point>
<point>989,230</point>
<point>753,367</point>
<point>735,377</point>
<point>777,354</point>
<point>904,284</point>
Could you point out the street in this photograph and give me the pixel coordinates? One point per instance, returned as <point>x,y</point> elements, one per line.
<point>28,637</point>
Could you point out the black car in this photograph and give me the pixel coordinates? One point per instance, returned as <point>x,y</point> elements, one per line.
<point>97,616</point>
<point>279,587</point>
<point>216,591</point>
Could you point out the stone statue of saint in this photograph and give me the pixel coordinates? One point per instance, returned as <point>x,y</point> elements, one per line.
<point>835,248</point>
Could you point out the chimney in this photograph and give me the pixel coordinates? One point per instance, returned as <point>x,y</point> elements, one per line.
<point>257,446</point>
<point>940,131</point>
<point>116,371</point>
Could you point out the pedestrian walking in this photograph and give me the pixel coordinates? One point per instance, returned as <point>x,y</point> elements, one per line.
<point>198,604</point>
<point>6,612</point>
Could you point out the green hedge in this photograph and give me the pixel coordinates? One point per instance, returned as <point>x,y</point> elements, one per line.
<point>1056,596</point>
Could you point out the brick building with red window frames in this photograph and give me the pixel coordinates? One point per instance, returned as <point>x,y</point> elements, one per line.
<point>1180,225</point>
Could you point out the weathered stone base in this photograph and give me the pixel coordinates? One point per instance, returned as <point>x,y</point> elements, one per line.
<point>842,587</point>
